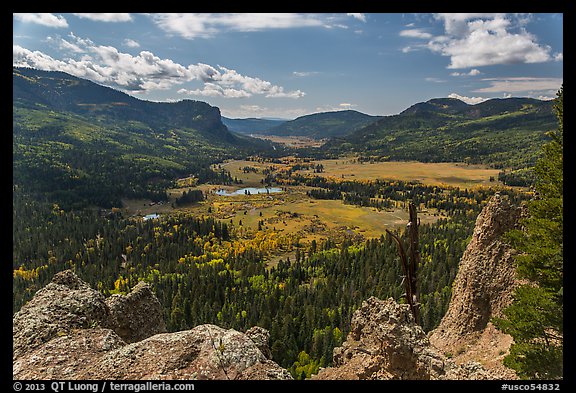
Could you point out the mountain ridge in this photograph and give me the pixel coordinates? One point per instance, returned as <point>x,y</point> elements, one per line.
<point>323,124</point>
<point>64,92</point>
<point>498,132</point>
<point>86,144</point>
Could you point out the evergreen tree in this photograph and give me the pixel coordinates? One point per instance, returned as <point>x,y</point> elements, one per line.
<point>535,318</point>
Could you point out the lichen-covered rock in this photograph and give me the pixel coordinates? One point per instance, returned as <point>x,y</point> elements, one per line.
<point>64,304</point>
<point>138,315</point>
<point>385,343</point>
<point>205,352</point>
<point>260,337</point>
<point>70,331</point>
<point>66,356</point>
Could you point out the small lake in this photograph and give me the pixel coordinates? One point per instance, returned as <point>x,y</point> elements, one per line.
<point>250,191</point>
<point>149,216</point>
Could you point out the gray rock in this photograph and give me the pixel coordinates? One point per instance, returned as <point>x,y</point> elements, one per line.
<point>385,343</point>
<point>64,304</point>
<point>70,331</point>
<point>486,277</point>
<point>138,315</point>
<point>205,352</point>
<point>260,337</point>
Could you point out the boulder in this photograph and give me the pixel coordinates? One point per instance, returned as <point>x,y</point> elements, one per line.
<point>138,315</point>
<point>69,331</point>
<point>66,303</point>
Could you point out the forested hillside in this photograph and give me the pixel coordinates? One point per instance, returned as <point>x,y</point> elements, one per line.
<point>503,133</point>
<point>83,144</point>
<point>250,125</point>
<point>323,125</point>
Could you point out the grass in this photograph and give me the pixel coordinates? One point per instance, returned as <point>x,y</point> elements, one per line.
<point>443,173</point>
<point>294,213</point>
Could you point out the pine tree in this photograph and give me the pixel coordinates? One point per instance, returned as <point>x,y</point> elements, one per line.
<point>535,318</point>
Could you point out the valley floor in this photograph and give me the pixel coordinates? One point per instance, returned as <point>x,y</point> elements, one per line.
<point>295,214</point>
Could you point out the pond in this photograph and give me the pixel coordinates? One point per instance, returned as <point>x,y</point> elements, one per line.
<point>250,191</point>
<point>149,216</point>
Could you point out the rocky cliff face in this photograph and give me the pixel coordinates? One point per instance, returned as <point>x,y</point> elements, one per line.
<point>482,288</point>
<point>70,331</point>
<point>385,343</point>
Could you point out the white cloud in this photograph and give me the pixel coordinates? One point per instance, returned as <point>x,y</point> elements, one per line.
<point>415,33</point>
<point>358,16</point>
<point>103,17</point>
<point>131,43</point>
<point>520,85</point>
<point>434,80</point>
<point>229,83</point>
<point>343,106</point>
<point>472,72</point>
<point>475,40</point>
<point>456,24</point>
<point>302,74</point>
<point>43,19</point>
<point>191,26</point>
<point>246,111</point>
<point>347,105</point>
<point>146,71</point>
<point>468,100</point>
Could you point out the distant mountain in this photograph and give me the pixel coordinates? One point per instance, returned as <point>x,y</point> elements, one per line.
<point>82,143</point>
<point>250,125</point>
<point>63,92</point>
<point>500,132</point>
<point>324,125</point>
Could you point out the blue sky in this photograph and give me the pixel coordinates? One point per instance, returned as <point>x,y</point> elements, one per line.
<point>288,65</point>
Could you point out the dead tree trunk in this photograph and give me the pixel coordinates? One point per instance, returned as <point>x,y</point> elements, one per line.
<point>410,262</point>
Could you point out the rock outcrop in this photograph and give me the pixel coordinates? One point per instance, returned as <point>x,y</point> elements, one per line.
<point>137,315</point>
<point>65,304</point>
<point>70,331</point>
<point>482,288</point>
<point>385,343</point>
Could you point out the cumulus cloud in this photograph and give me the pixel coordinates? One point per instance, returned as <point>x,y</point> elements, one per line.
<point>146,71</point>
<point>229,83</point>
<point>415,33</point>
<point>43,19</point>
<point>103,17</point>
<point>468,100</point>
<point>483,39</point>
<point>472,72</point>
<point>474,40</point>
<point>359,16</point>
<point>130,43</point>
<point>191,25</point>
